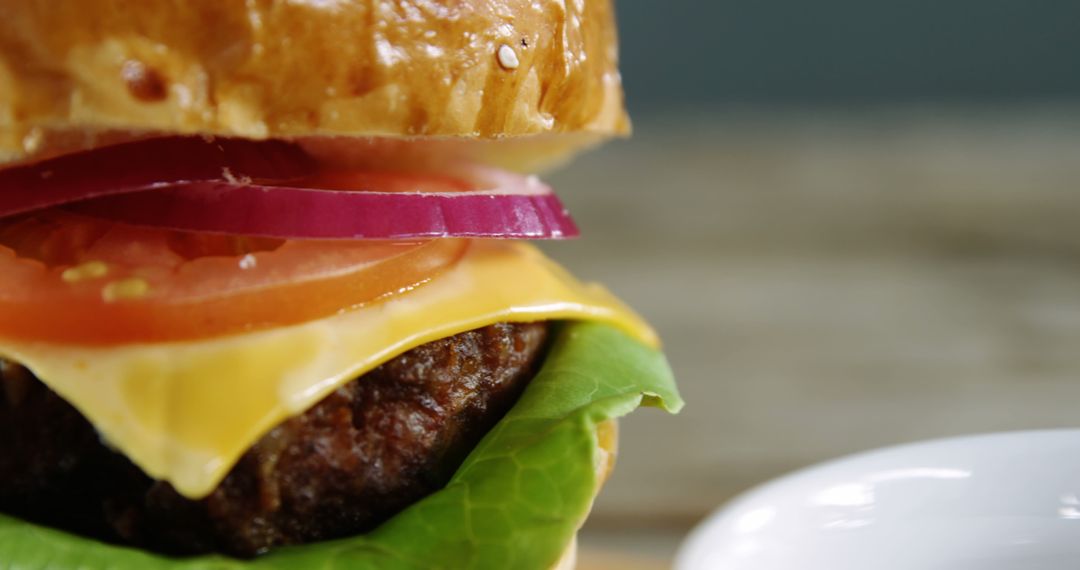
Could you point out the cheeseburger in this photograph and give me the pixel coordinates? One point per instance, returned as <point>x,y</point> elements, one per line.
<point>267,296</point>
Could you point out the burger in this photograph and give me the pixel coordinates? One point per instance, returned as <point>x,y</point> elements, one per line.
<point>267,296</point>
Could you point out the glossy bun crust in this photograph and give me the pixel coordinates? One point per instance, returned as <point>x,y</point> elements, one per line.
<point>607,436</point>
<point>76,74</point>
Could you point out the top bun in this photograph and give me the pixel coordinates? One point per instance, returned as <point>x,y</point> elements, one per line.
<point>79,74</point>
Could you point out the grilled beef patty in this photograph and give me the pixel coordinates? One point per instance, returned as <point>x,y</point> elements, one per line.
<point>359,456</point>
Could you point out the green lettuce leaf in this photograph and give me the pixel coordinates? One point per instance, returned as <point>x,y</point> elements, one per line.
<point>516,502</point>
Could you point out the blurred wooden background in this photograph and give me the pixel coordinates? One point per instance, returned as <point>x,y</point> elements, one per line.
<point>827,283</point>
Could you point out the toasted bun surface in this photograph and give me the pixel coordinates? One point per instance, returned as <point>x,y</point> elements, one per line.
<point>607,435</point>
<point>78,74</point>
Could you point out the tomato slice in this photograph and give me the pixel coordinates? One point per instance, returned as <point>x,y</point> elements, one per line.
<point>75,279</point>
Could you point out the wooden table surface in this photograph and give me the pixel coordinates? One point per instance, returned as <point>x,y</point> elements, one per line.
<point>828,284</point>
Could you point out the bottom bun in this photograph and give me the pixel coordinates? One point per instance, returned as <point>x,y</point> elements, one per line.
<point>568,561</point>
<point>607,440</point>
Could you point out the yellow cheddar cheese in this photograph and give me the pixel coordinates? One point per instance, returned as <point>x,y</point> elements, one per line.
<point>185,412</point>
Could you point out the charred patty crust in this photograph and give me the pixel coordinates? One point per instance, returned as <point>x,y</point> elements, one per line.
<point>366,451</point>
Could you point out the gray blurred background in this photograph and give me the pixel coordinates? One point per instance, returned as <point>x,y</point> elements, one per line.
<point>842,52</point>
<point>854,223</point>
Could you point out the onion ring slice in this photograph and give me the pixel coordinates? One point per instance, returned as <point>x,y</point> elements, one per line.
<point>274,189</point>
<point>509,206</point>
<point>146,165</point>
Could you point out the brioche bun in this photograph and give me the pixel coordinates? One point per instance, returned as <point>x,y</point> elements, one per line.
<point>607,436</point>
<point>83,74</point>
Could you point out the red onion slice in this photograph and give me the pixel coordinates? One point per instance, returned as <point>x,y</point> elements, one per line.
<point>146,165</point>
<point>260,188</point>
<point>516,207</point>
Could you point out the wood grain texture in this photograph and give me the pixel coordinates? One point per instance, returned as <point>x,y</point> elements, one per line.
<point>829,284</point>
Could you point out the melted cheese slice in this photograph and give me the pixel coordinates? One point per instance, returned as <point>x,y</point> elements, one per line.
<point>186,411</point>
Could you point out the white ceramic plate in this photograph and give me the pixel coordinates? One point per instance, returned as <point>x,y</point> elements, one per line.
<point>1007,501</point>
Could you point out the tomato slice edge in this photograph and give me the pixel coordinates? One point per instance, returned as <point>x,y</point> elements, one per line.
<point>169,298</point>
